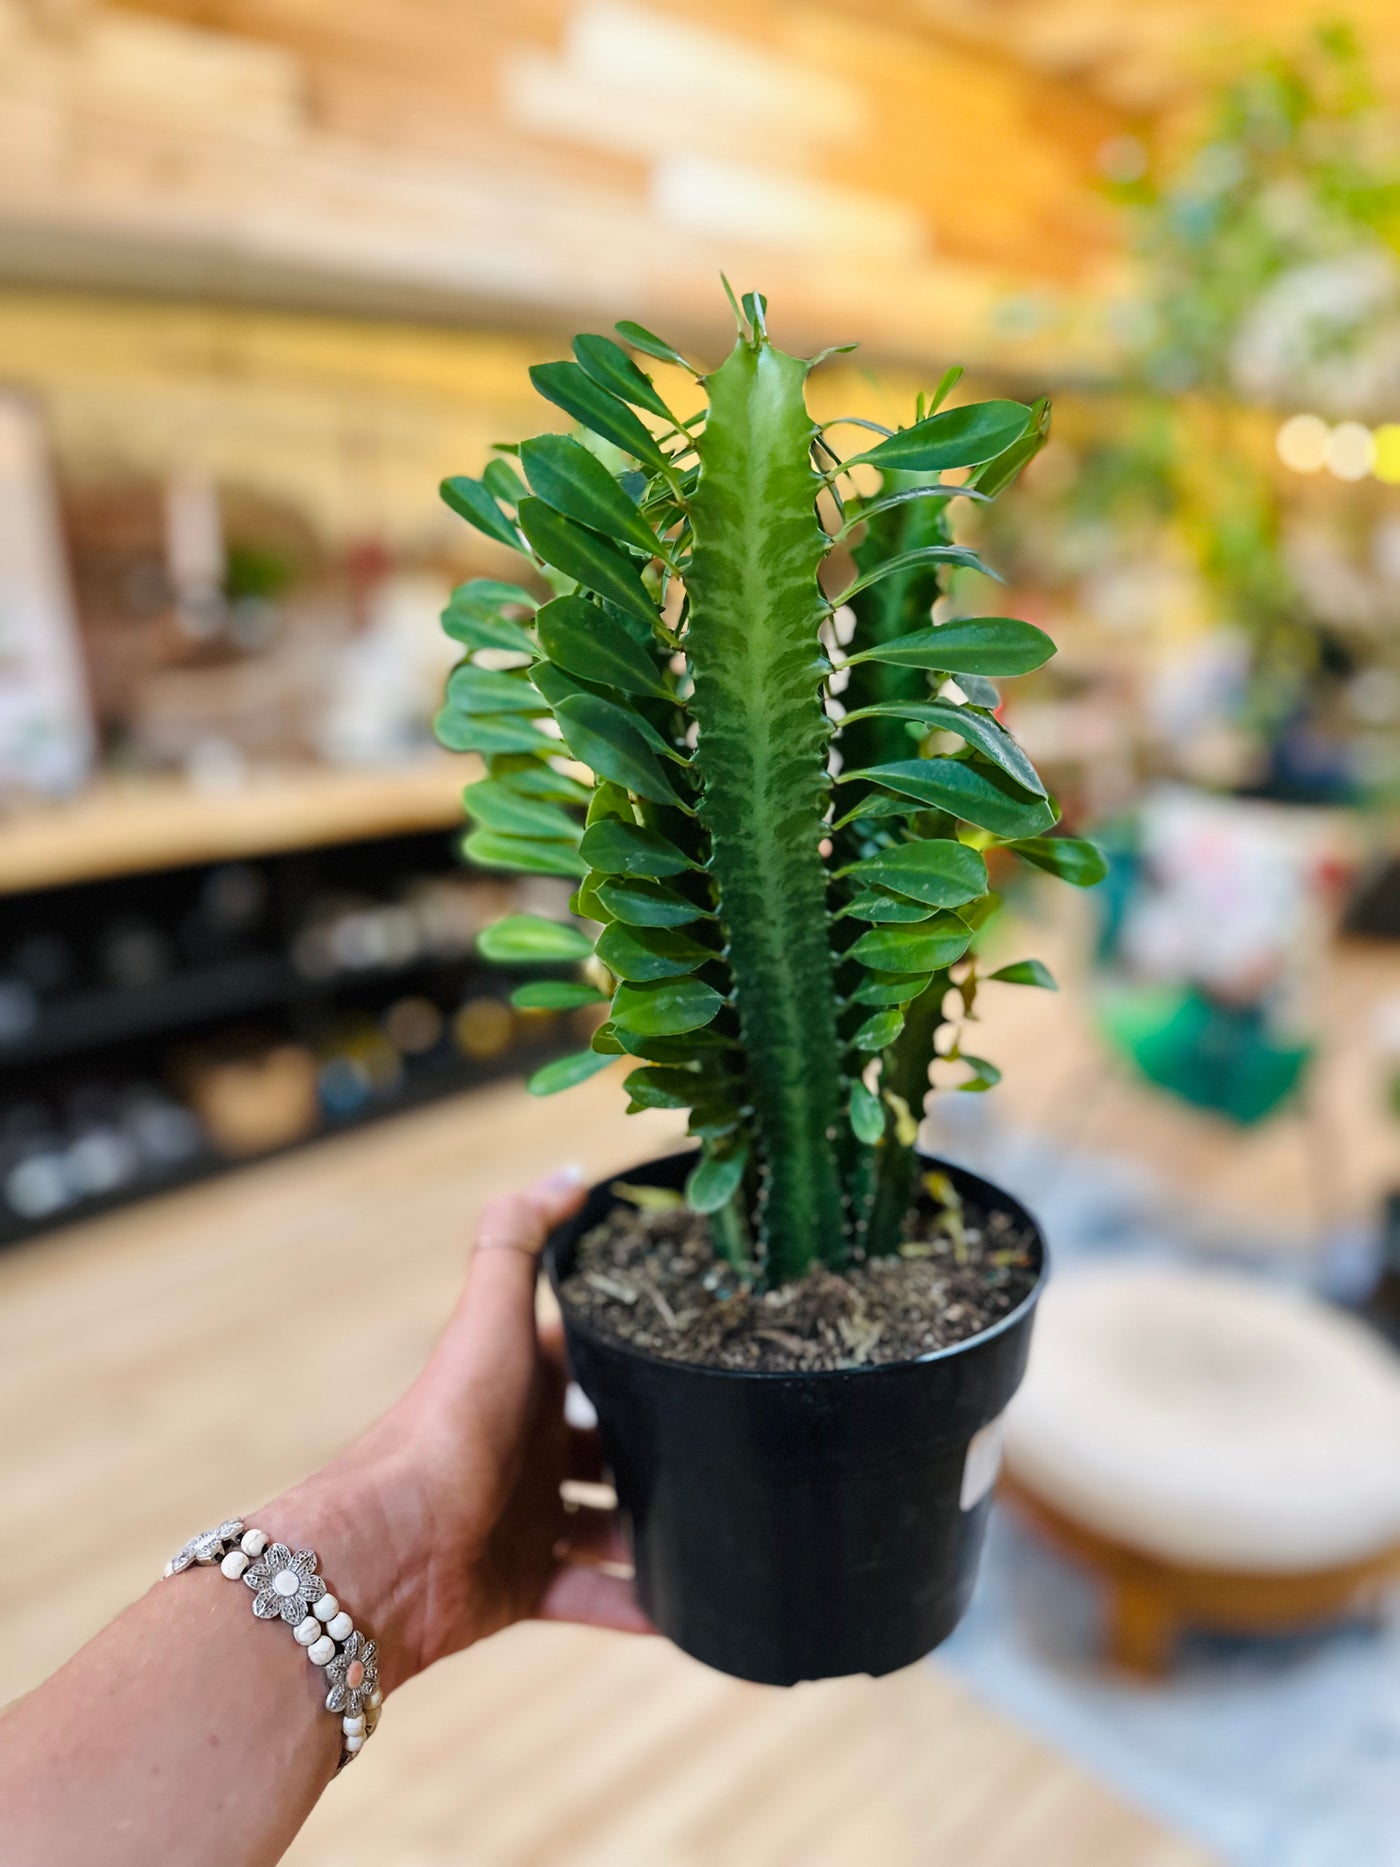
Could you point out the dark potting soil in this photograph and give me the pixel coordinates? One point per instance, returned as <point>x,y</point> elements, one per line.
<point>651,1279</point>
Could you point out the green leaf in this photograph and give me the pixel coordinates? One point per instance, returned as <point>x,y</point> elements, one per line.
<point>523,854</point>
<point>609,364</point>
<point>716,1180</point>
<point>877,804</point>
<point>565,1072</point>
<point>556,995</point>
<point>659,1087</point>
<point>585,903</point>
<point>889,988</point>
<point>1026,972</point>
<point>488,594</point>
<point>681,1050</point>
<point>481,629</point>
<point>604,738</point>
<point>571,388</point>
<point>977,729</point>
<point>955,437</point>
<point>528,939</point>
<point>571,479</point>
<point>712,1123</point>
<point>756,310</point>
<point>582,555</point>
<point>941,872</point>
<point>649,1198</point>
<point>666,1008</point>
<point>502,482</point>
<point>471,501</point>
<point>650,345</point>
<point>491,690</point>
<point>621,848</point>
<point>960,557</point>
<point>998,473</point>
<point>928,947</point>
<point>976,914</point>
<point>871,905</point>
<point>879,1030</point>
<point>972,645</point>
<point>490,733</point>
<point>473,615</point>
<point>647,904</point>
<point>608,801</point>
<point>965,788</point>
<point>867,1114</point>
<point>947,382</point>
<point>984,1075</point>
<point>496,805</point>
<point>1070,857</point>
<point>640,954</point>
<point>980,692</point>
<point>542,781</point>
<point>579,638</point>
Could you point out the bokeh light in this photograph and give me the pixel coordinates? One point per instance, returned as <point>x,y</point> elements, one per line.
<point>1351,451</point>
<point>1302,443</point>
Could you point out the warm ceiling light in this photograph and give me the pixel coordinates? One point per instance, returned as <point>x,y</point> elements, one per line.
<point>1351,451</point>
<point>1387,465</point>
<point>1302,443</point>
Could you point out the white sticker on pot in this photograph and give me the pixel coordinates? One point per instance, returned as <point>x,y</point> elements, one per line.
<point>983,1462</point>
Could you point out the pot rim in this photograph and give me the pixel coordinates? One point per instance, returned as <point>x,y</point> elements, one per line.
<point>615,1345</point>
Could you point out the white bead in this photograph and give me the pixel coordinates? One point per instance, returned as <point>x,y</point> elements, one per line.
<point>306,1633</point>
<point>254,1543</point>
<point>352,1725</point>
<point>356,1743</point>
<point>340,1626</point>
<point>233,1564</point>
<point>376,1699</point>
<point>326,1608</point>
<point>321,1651</point>
<point>285,1583</point>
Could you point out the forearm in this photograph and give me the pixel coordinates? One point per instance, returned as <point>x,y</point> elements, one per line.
<point>192,1731</point>
<point>188,1729</point>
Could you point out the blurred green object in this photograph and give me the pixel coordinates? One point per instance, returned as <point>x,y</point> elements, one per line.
<point>1215,1056</point>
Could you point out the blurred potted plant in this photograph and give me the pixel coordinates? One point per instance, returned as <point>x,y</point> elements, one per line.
<point>798,1336</point>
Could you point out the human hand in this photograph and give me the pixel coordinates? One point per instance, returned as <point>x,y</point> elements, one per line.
<point>445,1522</point>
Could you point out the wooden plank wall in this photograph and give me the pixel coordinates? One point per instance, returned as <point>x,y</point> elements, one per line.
<point>553,157</point>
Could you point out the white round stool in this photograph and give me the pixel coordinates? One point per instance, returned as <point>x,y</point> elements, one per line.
<point>1222,1452</point>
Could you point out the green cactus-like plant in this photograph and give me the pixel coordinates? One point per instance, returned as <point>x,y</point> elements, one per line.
<point>782,880</point>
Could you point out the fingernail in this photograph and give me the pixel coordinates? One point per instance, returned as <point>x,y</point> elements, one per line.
<point>563,1179</point>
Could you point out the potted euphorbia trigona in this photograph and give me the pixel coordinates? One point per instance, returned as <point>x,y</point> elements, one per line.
<point>775,780</point>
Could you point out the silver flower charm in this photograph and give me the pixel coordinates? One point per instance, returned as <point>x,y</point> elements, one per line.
<point>353,1675</point>
<point>207,1547</point>
<point>284,1584</point>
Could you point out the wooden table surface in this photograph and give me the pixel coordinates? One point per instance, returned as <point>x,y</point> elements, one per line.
<point>170,1363</point>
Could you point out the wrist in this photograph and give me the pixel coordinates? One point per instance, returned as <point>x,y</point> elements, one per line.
<point>366,1556</point>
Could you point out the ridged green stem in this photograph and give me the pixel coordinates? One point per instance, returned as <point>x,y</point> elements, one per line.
<point>757,662</point>
<point>906,1075</point>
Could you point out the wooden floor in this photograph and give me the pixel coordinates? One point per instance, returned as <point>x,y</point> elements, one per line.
<point>146,1365</point>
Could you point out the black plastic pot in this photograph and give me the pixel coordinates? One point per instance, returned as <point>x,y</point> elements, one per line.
<point>801,1526</point>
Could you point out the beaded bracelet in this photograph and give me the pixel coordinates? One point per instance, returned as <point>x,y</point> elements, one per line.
<point>286,1587</point>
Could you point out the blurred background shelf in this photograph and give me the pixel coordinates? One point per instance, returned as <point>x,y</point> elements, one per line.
<point>135,825</point>
<point>216,980</point>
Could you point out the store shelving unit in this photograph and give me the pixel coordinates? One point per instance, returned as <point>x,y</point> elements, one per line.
<point>156,941</point>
